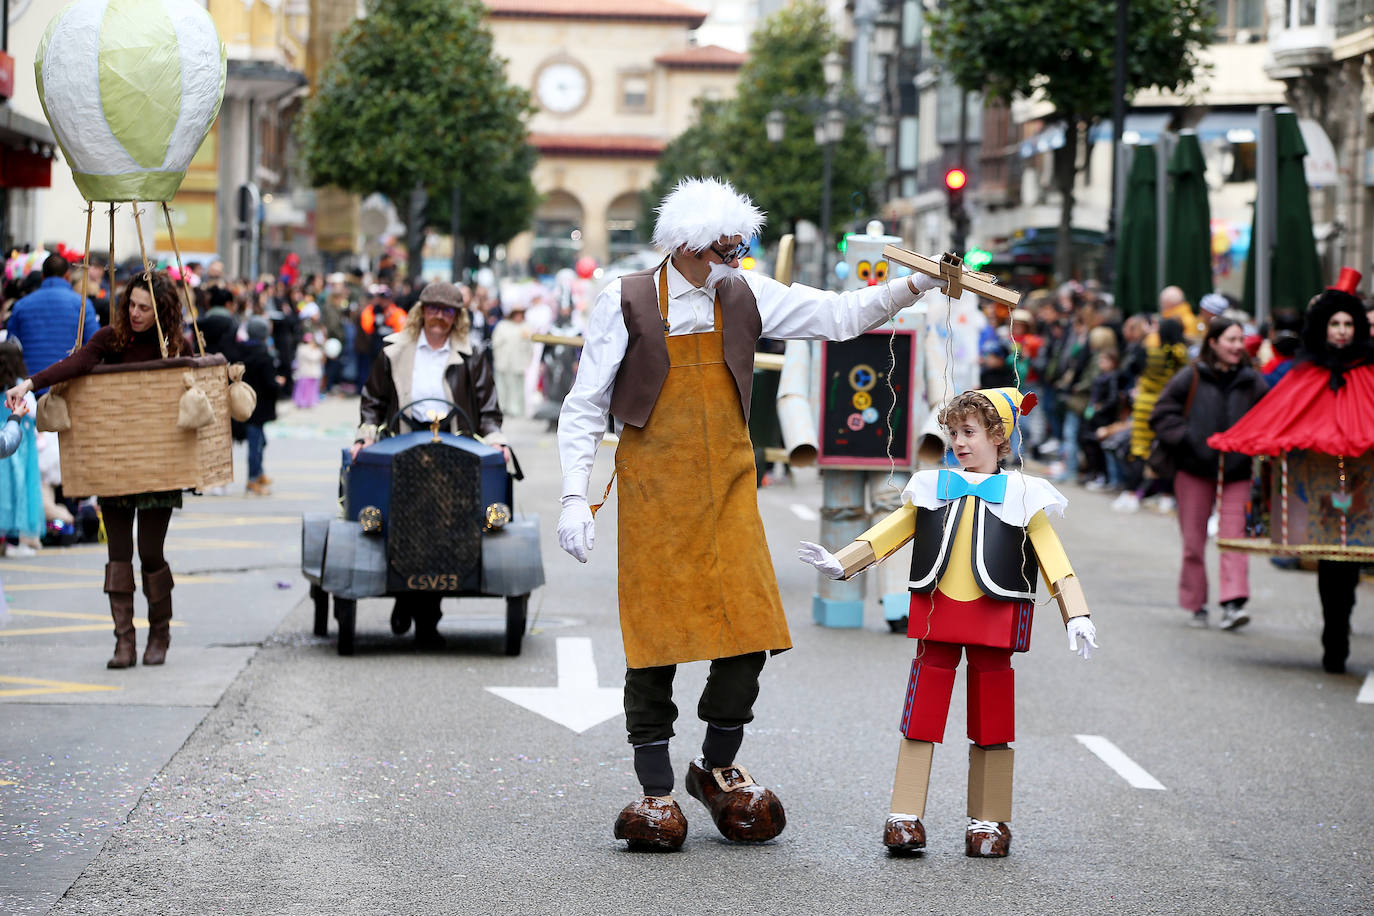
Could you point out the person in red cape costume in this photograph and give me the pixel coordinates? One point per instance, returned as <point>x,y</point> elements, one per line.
<point>1325,404</point>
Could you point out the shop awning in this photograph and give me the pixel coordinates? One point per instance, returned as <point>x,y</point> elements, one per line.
<point>27,148</point>
<point>1139,127</point>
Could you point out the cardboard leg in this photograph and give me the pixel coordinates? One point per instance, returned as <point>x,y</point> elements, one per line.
<point>913,777</point>
<point>927,701</point>
<point>989,783</point>
<point>991,706</point>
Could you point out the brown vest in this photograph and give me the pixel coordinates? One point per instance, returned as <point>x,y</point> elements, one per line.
<point>645,366</point>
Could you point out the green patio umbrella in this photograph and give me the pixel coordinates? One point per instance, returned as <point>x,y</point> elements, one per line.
<point>1295,273</point>
<point>1137,245</point>
<point>1188,241</point>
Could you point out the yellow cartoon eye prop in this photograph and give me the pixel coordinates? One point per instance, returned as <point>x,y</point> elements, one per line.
<point>880,271</point>
<point>864,271</point>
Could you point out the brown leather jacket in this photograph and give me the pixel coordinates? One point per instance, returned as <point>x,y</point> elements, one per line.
<point>468,381</point>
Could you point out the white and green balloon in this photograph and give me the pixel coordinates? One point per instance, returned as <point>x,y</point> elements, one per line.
<point>131,88</point>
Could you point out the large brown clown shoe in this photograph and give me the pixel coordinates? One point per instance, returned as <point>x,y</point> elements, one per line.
<point>652,823</point>
<point>987,839</point>
<point>904,835</point>
<point>744,811</point>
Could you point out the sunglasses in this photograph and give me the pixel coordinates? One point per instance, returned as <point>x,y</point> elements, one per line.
<point>440,309</point>
<point>731,254</point>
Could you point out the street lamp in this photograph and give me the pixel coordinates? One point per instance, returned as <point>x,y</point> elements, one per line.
<point>774,124</point>
<point>885,34</point>
<point>832,68</point>
<point>883,132</point>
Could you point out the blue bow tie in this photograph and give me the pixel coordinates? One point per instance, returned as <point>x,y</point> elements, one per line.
<point>952,486</point>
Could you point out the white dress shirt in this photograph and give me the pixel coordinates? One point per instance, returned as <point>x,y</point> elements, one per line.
<point>427,380</point>
<point>793,312</point>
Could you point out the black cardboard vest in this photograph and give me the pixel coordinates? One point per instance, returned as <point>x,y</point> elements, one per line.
<point>997,555</point>
<point>645,366</point>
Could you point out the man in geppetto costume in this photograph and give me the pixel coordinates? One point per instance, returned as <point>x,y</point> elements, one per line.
<point>670,354</point>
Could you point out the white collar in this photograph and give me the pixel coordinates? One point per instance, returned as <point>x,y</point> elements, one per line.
<point>678,285</point>
<point>424,344</point>
<point>1025,495</point>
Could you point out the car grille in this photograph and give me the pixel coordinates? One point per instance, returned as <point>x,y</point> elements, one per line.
<point>436,512</point>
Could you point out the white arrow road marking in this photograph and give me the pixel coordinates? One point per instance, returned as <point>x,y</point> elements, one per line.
<point>1113,757</point>
<point>577,702</point>
<point>805,513</point>
<point>1366,694</point>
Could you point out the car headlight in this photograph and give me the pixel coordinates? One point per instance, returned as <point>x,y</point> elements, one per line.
<point>498,514</point>
<point>371,520</point>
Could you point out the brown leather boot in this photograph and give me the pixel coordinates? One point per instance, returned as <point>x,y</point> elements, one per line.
<point>157,588</point>
<point>652,823</point>
<point>744,811</point>
<point>119,585</point>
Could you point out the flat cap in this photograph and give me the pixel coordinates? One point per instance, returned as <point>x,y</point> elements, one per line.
<point>439,293</point>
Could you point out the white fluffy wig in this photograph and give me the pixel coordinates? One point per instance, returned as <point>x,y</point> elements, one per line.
<point>701,210</point>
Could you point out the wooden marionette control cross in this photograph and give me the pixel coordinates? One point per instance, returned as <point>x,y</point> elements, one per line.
<point>950,268</point>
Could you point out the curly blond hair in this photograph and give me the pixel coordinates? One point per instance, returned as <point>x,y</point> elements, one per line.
<point>971,403</point>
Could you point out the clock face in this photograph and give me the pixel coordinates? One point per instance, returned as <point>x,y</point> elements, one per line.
<point>561,87</point>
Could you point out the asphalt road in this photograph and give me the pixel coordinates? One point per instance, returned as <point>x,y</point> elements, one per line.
<point>260,772</point>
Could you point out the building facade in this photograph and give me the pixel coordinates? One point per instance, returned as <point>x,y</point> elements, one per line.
<point>1323,53</point>
<point>614,82</point>
<point>1008,151</point>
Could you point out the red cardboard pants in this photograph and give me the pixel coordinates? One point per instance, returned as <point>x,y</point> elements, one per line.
<point>991,693</point>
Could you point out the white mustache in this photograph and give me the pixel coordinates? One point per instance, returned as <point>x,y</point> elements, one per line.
<point>721,274</point>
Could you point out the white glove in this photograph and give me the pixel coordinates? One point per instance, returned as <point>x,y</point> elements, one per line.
<point>924,282</point>
<point>825,561</point>
<point>1082,627</point>
<point>576,530</point>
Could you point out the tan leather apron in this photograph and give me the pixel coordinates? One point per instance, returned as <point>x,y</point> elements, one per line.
<point>696,579</point>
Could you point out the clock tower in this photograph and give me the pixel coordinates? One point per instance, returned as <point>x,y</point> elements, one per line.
<point>612,82</point>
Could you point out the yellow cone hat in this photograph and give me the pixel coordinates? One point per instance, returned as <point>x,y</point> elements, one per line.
<point>1009,404</point>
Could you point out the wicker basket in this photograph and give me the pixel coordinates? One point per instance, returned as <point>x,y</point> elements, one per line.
<point>124,436</point>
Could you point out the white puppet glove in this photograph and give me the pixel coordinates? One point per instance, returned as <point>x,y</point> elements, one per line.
<point>825,561</point>
<point>576,530</point>
<point>1082,628</point>
<point>924,282</point>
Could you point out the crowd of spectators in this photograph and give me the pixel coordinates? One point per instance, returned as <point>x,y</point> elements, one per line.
<point>1099,374</point>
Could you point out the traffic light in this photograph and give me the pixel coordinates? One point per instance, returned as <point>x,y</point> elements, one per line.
<point>978,258</point>
<point>955,180</point>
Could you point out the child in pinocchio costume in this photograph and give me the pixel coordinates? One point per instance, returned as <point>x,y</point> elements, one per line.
<point>670,353</point>
<point>980,533</point>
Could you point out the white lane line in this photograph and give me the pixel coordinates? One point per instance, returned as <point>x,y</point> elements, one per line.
<point>1366,694</point>
<point>805,513</point>
<point>1113,757</point>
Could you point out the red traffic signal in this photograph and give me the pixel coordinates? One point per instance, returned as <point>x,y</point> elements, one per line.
<point>955,179</point>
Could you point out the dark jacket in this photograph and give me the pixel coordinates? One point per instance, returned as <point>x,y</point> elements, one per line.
<point>468,377</point>
<point>219,328</point>
<point>260,372</point>
<point>1219,401</point>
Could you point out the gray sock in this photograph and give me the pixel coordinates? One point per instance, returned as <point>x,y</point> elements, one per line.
<point>654,768</point>
<point>721,745</point>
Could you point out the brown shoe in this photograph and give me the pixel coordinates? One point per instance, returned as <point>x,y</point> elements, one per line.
<point>987,839</point>
<point>744,811</point>
<point>904,834</point>
<point>652,823</point>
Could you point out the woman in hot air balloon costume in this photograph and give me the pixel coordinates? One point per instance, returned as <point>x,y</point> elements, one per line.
<point>1319,421</point>
<point>131,89</point>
